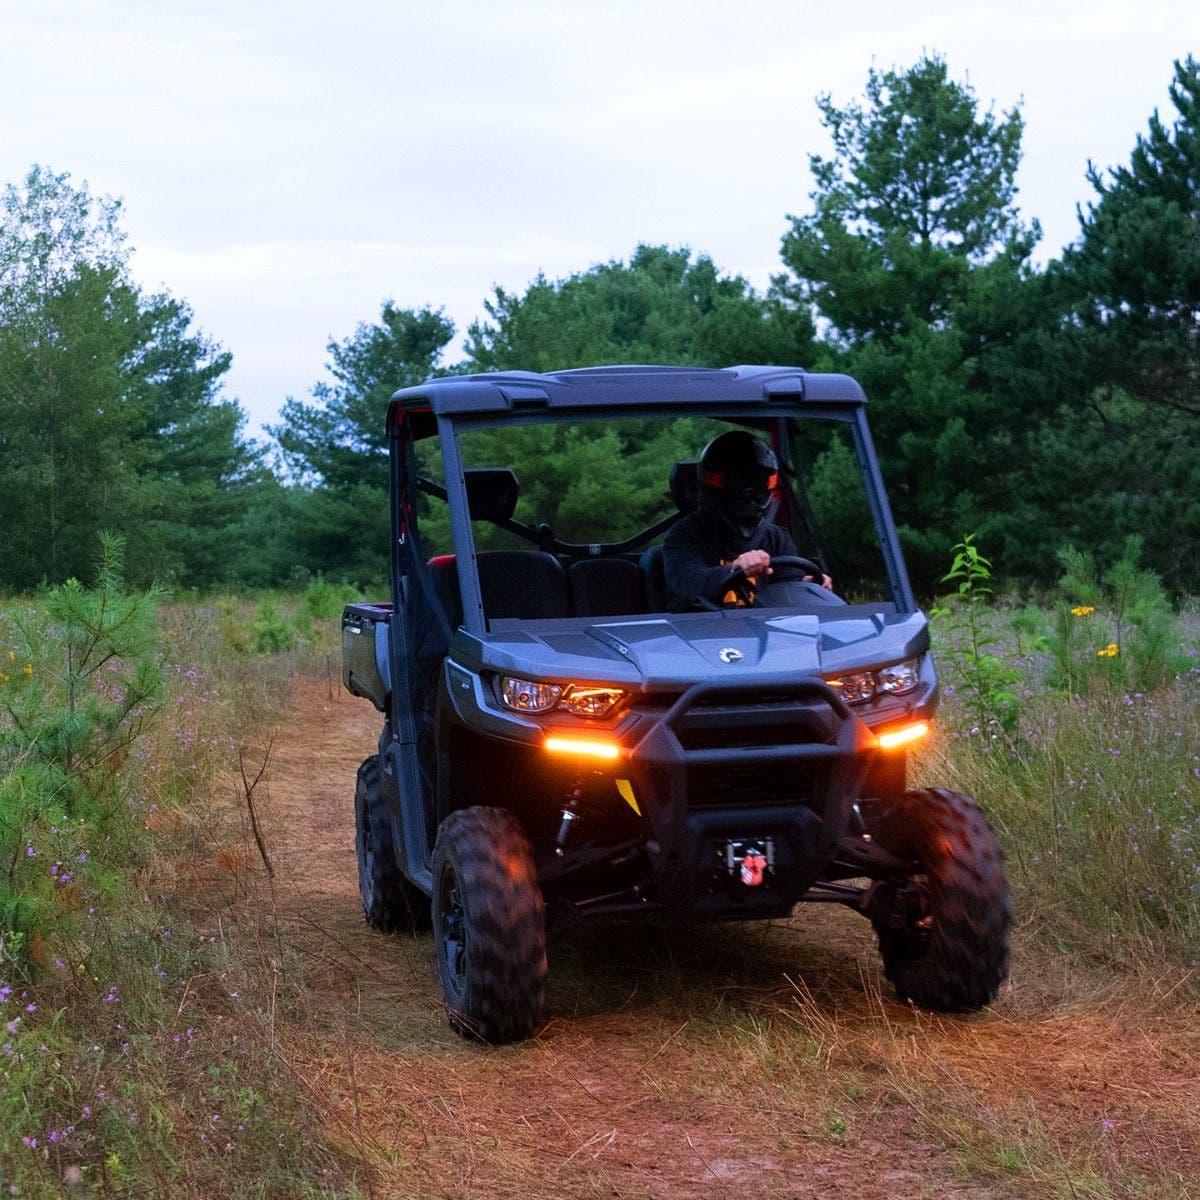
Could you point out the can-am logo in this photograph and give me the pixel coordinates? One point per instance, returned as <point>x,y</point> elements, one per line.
<point>727,654</point>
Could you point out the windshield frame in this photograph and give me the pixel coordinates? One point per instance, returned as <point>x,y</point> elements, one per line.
<point>450,427</point>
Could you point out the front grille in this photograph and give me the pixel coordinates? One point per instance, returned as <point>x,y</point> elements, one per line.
<point>719,726</point>
<point>748,785</point>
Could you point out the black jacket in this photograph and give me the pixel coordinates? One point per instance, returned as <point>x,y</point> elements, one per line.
<point>696,549</point>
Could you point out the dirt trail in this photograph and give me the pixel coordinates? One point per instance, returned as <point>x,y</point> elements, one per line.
<point>735,1061</point>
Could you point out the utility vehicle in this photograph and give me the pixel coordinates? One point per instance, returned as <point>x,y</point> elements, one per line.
<point>558,744</point>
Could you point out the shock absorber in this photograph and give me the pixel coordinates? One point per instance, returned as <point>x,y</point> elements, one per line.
<point>570,814</point>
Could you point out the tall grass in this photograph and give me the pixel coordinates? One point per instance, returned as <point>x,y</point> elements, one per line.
<point>126,1067</point>
<point>1094,787</point>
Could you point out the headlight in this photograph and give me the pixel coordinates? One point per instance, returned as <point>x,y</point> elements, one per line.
<point>901,678</point>
<point>579,699</point>
<point>586,701</point>
<point>525,696</point>
<point>892,681</point>
<point>855,688</point>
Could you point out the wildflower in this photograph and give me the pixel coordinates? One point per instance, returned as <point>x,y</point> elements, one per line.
<point>30,852</point>
<point>1109,651</point>
<point>27,670</point>
<point>3,677</point>
<point>1082,610</point>
<point>31,1007</point>
<point>5,992</point>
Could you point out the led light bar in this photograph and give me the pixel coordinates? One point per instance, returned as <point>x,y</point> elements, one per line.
<point>903,735</point>
<point>585,747</point>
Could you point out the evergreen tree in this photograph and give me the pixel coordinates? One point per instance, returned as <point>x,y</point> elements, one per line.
<point>662,307</point>
<point>916,258</point>
<point>336,447</point>
<point>1136,266</point>
<point>1129,291</point>
<point>109,409</point>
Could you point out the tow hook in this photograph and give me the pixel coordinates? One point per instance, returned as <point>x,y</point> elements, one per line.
<point>753,866</point>
<point>750,859</point>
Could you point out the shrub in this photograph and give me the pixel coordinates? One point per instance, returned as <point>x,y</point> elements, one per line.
<point>1115,629</point>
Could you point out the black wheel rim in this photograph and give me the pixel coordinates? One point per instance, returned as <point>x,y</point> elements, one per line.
<point>453,928</point>
<point>915,903</point>
<point>366,876</point>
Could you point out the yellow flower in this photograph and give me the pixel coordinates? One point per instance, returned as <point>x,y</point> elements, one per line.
<point>12,656</point>
<point>3,677</point>
<point>1109,651</point>
<point>1082,610</point>
<point>28,670</point>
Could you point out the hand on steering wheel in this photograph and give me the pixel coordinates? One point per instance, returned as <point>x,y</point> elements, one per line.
<point>812,571</point>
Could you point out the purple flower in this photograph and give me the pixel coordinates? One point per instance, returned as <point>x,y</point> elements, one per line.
<point>31,1007</point>
<point>30,852</point>
<point>5,992</point>
<point>30,1142</point>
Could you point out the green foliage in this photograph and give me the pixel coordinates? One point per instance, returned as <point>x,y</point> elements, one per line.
<point>967,637</point>
<point>1135,271</point>
<point>662,307</point>
<point>916,258</point>
<point>272,631</point>
<point>1098,818</point>
<point>114,1080</point>
<point>323,600</point>
<point>335,448</point>
<point>108,401</point>
<point>81,682</point>
<point>1116,628</point>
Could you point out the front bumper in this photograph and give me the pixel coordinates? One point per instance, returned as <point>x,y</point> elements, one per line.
<point>696,773</point>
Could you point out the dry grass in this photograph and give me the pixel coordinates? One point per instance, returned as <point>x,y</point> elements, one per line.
<point>771,1059</point>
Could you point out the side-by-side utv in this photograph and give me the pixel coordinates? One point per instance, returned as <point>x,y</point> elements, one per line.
<point>564,739</point>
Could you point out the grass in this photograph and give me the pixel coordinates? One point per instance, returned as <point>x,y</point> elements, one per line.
<point>262,1048</point>
<point>128,1067</point>
<point>1096,799</point>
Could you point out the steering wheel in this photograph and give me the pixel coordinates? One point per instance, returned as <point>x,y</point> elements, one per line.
<point>796,563</point>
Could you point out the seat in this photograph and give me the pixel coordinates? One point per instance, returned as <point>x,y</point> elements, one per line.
<point>606,587</point>
<point>654,578</point>
<point>520,584</point>
<point>684,483</point>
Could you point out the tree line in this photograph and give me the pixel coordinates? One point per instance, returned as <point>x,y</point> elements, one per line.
<point>1034,405</point>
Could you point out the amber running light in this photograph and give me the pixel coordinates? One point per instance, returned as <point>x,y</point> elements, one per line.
<point>903,735</point>
<point>587,747</point>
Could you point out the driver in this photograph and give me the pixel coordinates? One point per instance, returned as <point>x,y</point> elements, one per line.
<point>720,553</point>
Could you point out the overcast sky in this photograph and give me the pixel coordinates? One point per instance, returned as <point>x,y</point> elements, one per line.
<point>285,167</point>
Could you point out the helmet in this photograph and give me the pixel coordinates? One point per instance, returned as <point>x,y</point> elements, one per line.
<point>736,475</point>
